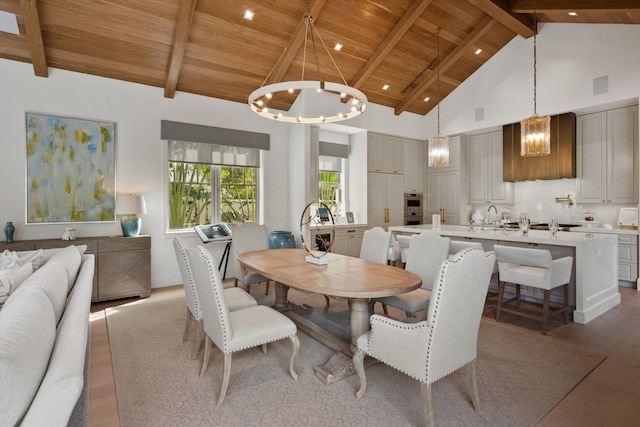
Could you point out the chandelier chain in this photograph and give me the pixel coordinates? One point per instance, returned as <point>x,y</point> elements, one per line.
<point>438,70</point>
<point>535,60</point>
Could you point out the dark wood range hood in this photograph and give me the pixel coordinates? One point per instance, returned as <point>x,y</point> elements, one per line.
<point>561,163</point>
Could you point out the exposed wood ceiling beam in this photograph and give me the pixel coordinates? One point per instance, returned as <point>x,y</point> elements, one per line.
<point>412,14</point>
<point>34,37</point>
<point>445,64</point>
<point>499,10</point>
<point>560,6</point>
<point>297,38</point>
<point>180,37</point>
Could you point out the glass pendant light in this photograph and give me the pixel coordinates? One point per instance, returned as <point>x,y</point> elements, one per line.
<point>438,145</point>
<point>535,130</point>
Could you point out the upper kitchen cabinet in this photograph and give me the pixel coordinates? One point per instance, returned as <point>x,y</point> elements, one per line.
<point>607,156</point>
<point>385,154</point>
<point>414,161</point>
<point>561,163</point>
<point>486,184</point>
<point>455,150</point>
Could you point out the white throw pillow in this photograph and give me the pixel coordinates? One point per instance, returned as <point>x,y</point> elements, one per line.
<point>8,259</point>
<point>11,278</point>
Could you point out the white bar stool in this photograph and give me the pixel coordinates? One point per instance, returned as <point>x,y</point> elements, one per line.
<point>535,268</point>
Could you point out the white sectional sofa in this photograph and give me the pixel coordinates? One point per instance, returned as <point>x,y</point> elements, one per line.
<point>44,341</point>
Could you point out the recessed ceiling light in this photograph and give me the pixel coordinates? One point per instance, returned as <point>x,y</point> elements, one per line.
<point>338,47</point>
<point>427,99</point>
<point>385,87</point>
<point>248,15</point>
<point>8,23</point>
<point>478,51</point>
<point>573,14</point>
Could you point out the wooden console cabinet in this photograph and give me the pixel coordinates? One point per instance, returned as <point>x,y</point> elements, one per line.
<point>123,264</point>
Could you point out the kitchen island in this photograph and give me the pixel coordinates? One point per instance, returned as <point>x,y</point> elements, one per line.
<point>595,259</point>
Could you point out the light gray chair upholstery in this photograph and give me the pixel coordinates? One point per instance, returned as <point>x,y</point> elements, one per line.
<point>404,242</point>
<point>248,237</point>
<point>375,247</point>
<point>233,331</point>
<point>427,252</point>
<point>459,245</point>
<point>236,297</point>
<point>537,269</point>
<point>446,341</point>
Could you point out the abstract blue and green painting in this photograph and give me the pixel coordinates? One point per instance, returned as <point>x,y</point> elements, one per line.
<point>70,169</point>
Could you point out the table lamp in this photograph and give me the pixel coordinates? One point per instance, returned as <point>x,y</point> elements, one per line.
<point>130,206</point>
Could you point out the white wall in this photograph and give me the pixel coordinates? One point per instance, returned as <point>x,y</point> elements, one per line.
<point>570,56</point>
<point>137,111</point>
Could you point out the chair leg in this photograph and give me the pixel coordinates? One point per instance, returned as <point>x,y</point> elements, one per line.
<point>427,405</point>
<point>358,363</point>
<point>473,382</point>
<point>545,311</point>
<point>226,373</point>
<point>207,354</point>
<point>264,348</point>
<point>384,309</point>
<point>198,339</point>
<point>500,296</point>
<point>294,352</point>
<point>187,326</point>
<point>266,292</point>
<point>235,283</point>
<point>517,297</point>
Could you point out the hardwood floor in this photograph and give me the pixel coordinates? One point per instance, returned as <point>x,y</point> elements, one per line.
<point>608,396</point>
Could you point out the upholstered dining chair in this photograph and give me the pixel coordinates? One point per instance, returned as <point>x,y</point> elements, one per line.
<point>427,251</point>
<point>236,297</point>
<point>443,343</point>
<point>375,247</point>
<point>459,245</point>
<point>233,331</point>
<point>247,237</point>
<point>535,268</point>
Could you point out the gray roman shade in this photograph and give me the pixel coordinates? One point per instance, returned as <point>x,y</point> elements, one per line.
<point>191,143</point>
<point>331,155</point>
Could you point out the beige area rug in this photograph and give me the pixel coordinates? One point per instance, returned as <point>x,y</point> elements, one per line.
<point>522,376</point>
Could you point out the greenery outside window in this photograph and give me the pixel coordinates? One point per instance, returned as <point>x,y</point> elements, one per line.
<point>329,189</point>
<point>205,194</point>
<point>211,183</point>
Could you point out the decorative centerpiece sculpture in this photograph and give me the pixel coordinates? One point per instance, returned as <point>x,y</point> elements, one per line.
<point>317,241</point>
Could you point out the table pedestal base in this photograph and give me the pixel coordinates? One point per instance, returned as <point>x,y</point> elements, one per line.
<point>338,367</point>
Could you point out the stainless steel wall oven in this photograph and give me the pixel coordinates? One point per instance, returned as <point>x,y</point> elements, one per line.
<point>413,207</point>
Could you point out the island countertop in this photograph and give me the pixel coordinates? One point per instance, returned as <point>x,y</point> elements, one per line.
<point>595,260</point>
<point>562,238</point>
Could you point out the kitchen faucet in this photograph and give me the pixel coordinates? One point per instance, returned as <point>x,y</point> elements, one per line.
<point>489,212</point>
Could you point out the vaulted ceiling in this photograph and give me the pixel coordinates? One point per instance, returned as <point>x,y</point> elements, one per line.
<point>206,47</point>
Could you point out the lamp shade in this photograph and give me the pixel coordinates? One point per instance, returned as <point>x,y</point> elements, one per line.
<point>536,136</point>
<point>130,204</point>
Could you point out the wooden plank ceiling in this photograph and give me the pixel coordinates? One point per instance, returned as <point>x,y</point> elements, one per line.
<point>206,47</point>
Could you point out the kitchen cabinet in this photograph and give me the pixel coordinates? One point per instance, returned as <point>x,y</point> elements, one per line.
<point>607,156</point>
<point>486,185</point>
<point>385,154</point>
<point>443,193</point>
<point>627,257</point>
<point>414,161</point>
<point>447,186</point>
<point>348,240</point>
<point>385,200</point>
